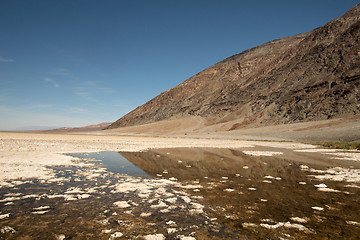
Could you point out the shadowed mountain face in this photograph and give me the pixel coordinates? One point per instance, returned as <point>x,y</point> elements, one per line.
<point>311,76</point>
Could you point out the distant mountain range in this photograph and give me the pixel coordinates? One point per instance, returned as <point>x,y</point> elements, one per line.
<point>35,128</point>
<point>45,129</point>
<point>307,77</point>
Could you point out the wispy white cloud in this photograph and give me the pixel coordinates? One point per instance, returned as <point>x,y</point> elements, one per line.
<point>92,91</point>
<point>41,106</point>
<point>7,60</point>
<point>77,110</point>
<point>52,81</point>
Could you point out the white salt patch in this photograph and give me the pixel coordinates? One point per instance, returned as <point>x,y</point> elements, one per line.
<point>328,190</point>
<point>353,223</point>
<point>339,174</point>
<point>186,238</point>
<point>252,189</point>
<point>186,199</point>
<point>190,186</point>
<point>171,223</point>
<point>82,196</point>
<point>171,200</point>
<point>245,167</point>
<point>166,210</point>
<point>60,237</point>
<point>10,199</point>
<point>237,175</point>
<point>74,190</point>
<point>299,220</point>
<point>145,214</point>
<point>263,200</point>
<point>321,185</point>
<point>104,222</point>
<point>106,231</point>
<point>197,208</point>
<point>115,235</point>
<point>15,165</point>
<point>3,216</point>
<point>269,177</point>
<point>122,204</point>
<point>30,196</point>
<point>317,150</point>
<point>349,156</point>
<point>41,208</point>
<point>267,181</point>
<point>70,197</point>
<point>267,220</point>
<point>318,208</point>
<point>7,229</point>
<point>229,190</point>
<point>154,237</point>
<point>58,196</point>
<point>12,194</point>
<point>286,225</point>
<point>171,230</point>
<point>188,166</point>
<point>262,153</point>
<point>302,183</point>
<point>173,179</point>
<point>39,212</point>
<point>304,167</point>
<point>246,225</point>
<point>352,186</point>
<point>161,204</point>
<point>224,177</point>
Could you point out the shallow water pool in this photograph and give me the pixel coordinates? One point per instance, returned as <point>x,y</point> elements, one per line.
<point>113,162</point>
<point>189,193</point>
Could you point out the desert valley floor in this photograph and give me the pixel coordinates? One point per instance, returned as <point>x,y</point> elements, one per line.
<point>72,186</point>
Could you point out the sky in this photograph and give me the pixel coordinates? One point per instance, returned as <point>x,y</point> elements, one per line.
<point>69,63</point>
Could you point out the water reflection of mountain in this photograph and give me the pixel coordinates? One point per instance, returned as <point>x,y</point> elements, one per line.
<point>256,194</point>
<point>197,163</point>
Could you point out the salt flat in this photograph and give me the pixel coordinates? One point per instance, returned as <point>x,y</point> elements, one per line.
<point>24,155</point>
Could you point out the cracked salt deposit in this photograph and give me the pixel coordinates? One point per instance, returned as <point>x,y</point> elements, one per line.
<point>3,216</point>
<point>154,237</point>
<point>286,225</point>
<point>338,174</point>
<point>348,156</point>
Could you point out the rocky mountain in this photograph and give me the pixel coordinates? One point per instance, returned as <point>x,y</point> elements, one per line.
<point>310,76</point>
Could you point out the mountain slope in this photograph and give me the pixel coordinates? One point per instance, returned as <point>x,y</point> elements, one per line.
<point>311,76</point>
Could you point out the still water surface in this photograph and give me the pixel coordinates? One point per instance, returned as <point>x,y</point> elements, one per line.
<point>113,162</point>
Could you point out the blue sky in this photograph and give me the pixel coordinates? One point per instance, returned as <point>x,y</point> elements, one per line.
<point>79,62</point>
